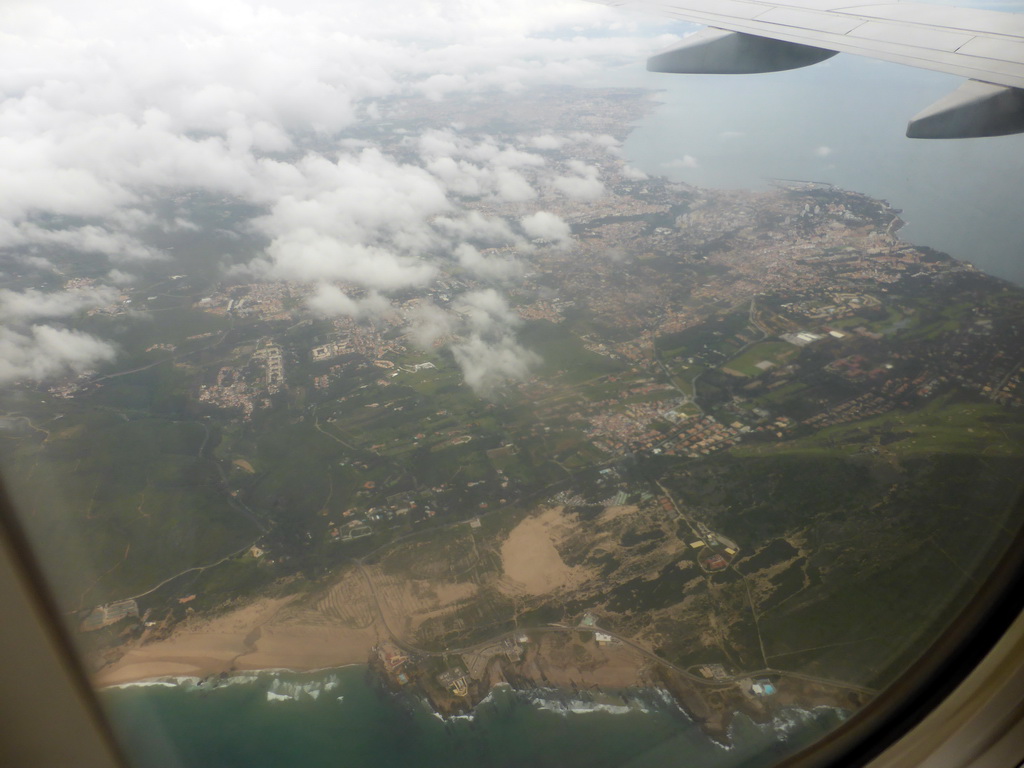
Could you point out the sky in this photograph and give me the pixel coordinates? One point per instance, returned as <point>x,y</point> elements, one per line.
<point>111,109</point>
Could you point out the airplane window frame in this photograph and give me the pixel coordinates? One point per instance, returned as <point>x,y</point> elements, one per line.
<point>933,680</point>
<point>43,651</point>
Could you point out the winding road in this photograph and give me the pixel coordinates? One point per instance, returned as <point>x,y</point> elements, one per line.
<point>405,645</point>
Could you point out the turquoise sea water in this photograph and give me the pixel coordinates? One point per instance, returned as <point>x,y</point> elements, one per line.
<point>343,719</point>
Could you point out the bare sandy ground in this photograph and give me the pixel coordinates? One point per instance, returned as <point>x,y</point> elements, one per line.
<point>615,666</point>
<point>262,635</point>
<point>343,625</point>
<point>408,603</point>
<point>610,513</point>
<point>530,561</point>
<point>565,660</point>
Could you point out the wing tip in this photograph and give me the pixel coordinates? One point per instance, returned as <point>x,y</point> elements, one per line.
<point>974,110</point>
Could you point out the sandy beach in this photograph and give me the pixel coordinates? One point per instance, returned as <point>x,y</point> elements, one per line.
<point>342,624</point>
<point>269,633</point>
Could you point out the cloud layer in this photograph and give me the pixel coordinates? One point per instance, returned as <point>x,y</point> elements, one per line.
<point>45,351</point>
<point>107,116</point>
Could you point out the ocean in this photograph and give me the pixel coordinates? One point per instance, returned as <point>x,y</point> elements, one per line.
<point>958,196</point>
<point>342,718</point>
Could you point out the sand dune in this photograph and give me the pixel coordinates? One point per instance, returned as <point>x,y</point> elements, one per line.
<point>530,561</point>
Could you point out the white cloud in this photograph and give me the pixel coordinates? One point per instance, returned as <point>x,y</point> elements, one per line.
<point>686,161</point>
<point>547,141</point>
<point>585,185</point>
<point>107,116</point>
<point>475,226</point>
<point>44,351</point>
<point>600,139</point>
<point>515,158</point>
<point>36,262</point>
<point>436,87</point>
<point>119,246</point>
<point>512,187</point>
<point>361,219</point>
<point>331,301</point>
<point>459,177</point>
<point>479,330</point>
<point>34,305</point>
<point>305,254</point>
<point>104,111</point>
<point>492,267</point>
<point>490,354</point>
<point>822,151</point>
<point>119,277</point>
<point>544,225</point>
<point>487,364</point>
<point>634,174</point>
<point>487,312</point>
<point>476,167</point>
<point>428,325</point>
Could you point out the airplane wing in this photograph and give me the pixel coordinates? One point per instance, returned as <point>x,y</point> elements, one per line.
<point>987,47</point>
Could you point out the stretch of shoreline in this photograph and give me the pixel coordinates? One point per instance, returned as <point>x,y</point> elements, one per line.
<point>254,637</point>
<point>273,634</point>
<point>279,634</point>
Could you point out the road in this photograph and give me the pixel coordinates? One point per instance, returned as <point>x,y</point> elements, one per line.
<point>695,529</point>
<point>335,438</point>
<point>234,502</point>
<point>28,421</point>
<point>691,397</point>
<point>155,363</point>
<point>194,569</point>
<point>405,645</point>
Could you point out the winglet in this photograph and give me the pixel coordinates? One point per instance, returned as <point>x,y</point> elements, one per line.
<point>973,110</point>
<point>720,52</point>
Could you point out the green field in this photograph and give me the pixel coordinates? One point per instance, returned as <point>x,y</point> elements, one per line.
<point>136,502</point>
<point>563,354</point>
<point>775,352</point>
<point>891,551</point>
<point>943,426</point>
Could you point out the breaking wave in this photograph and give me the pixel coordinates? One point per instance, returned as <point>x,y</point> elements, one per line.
<point>281,685</point>
<point>565,703</point>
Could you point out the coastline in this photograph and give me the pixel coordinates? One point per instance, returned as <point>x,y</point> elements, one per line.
<point>614,710</point>
<point>282,635</point>
<point>267,719</point>
<point>267,634</point>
